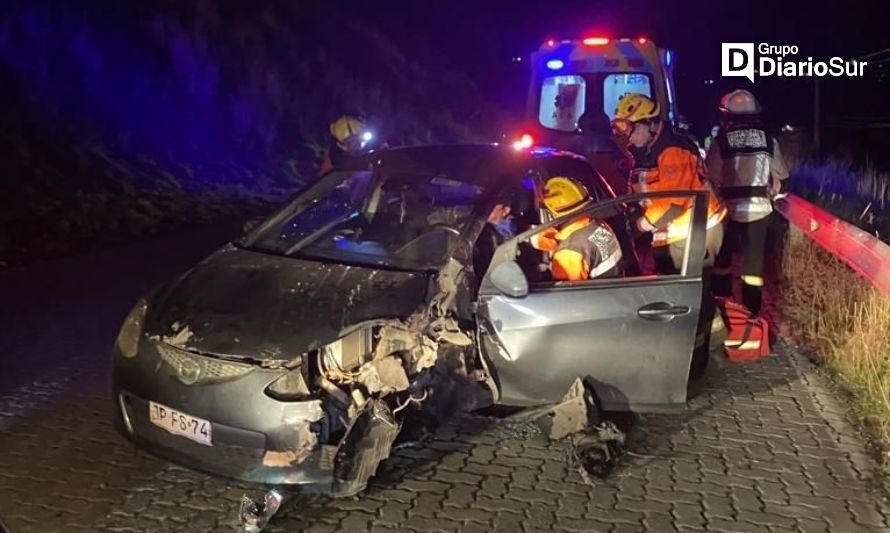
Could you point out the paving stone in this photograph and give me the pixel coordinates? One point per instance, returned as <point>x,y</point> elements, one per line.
<point>464,515</point>
<point>688,515</point>
<point>508,522</point>
<point>584,526</point>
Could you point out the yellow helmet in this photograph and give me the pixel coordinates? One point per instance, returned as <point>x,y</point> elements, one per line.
<point>346,127</point>
<point>633,107</point>
<point>564,195</point>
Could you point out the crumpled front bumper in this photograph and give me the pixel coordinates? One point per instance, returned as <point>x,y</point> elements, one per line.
<point>246,423</point>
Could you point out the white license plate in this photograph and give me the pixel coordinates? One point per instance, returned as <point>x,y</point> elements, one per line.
<point>180,423</point>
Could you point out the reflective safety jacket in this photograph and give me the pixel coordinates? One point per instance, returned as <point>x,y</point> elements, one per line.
<point>745,166</point>
<point>583,249</point>
<point>671,163</point>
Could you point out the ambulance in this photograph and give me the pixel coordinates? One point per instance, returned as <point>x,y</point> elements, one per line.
<point>572,77</point>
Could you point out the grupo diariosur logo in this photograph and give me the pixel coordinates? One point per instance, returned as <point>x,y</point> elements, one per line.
<point>739,59</point>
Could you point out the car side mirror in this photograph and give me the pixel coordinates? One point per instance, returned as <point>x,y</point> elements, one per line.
<point>508,278</point>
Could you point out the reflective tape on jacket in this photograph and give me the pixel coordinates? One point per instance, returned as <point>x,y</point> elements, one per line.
<point>606,265</point>
<point>679,229</point>
<point>587,249</point>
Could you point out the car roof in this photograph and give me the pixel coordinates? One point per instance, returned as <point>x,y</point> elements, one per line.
<point>457,159</point>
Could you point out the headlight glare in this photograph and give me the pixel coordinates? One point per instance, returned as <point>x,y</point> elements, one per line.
<point>131,330</point>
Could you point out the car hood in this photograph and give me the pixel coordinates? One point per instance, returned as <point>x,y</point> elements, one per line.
<point>254,305</point>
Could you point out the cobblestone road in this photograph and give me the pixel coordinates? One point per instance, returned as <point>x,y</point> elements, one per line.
<point>763,447</point>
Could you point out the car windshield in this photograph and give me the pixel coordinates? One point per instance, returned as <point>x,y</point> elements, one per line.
<point>400,220</point>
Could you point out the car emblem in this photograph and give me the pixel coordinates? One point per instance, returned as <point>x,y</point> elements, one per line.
<point>188,371</point>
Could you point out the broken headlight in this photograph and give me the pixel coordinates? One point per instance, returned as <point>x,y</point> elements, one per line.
<point>343,356</point>
<point>128,338</point>
<point>289,387</point>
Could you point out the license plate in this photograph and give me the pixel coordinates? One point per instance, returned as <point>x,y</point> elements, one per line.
<point>179,423</point>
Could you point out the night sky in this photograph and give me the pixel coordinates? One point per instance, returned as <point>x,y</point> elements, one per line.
<point>481,37</point>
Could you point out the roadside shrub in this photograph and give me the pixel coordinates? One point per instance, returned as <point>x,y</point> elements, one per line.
<point>859,195</point>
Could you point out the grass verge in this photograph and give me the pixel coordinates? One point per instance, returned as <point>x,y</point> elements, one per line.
<point>842,318</point>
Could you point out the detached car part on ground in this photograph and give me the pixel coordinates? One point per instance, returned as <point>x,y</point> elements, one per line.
<point>294,356</point>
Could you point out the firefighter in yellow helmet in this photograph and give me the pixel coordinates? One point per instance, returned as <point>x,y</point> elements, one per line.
<point>583,248</point>
<point>665,161</point>
<point>349,135</point>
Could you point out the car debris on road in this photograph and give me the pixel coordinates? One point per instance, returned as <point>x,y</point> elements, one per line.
<point>254,516</point>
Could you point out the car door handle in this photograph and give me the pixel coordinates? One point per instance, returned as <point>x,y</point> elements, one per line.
<point>662,311</point>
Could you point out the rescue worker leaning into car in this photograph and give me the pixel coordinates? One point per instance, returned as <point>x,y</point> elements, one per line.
<point>349,135</point>
<point>747,170</point>
<point>583,248</point>
<point>665,161</point>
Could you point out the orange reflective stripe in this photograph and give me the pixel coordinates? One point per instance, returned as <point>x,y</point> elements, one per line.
<point>546,240</point>
<point>572,227</point>
<point>569,265</point>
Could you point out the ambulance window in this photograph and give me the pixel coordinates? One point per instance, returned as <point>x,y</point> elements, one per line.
<point>562,102</point>
<point>617,85</point>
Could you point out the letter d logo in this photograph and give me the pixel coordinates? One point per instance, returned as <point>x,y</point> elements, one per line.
<point>738,60</point>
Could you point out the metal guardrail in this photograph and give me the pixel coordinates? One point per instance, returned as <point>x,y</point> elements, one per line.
<point>862,251</point>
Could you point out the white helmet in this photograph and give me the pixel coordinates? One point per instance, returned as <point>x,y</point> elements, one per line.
<point>739,102</point>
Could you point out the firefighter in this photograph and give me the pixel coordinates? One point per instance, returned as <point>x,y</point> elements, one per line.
<point>349,135</point>
<point>495,231</point>
<point>665,161</point>
<point>746,168</point>
<point>709,138</point>
<point>583,248</point>
<point>597,144</point>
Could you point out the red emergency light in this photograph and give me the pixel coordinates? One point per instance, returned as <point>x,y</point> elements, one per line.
<point>550,43</point>
<point>596,41</point>
<point>524,142</point>
<point>642,40</point>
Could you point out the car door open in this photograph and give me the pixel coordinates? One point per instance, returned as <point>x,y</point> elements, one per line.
<point>631,338</point>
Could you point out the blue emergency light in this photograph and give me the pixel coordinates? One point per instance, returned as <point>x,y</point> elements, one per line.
<point>555,64</point>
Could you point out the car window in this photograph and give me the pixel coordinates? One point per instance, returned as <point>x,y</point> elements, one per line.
<point>407,220</point>
<point>562,102</point>
<point>610,238</point>
<point>617,85</point>
<point>580,170</point>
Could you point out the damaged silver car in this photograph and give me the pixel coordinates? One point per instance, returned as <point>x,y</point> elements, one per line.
<point>294,355</point>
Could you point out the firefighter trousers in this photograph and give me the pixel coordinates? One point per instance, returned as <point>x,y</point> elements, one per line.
<point>749,240</point>
<point>669,260</point>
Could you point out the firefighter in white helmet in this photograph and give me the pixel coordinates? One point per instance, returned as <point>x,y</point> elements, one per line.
<point>745,166</point>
